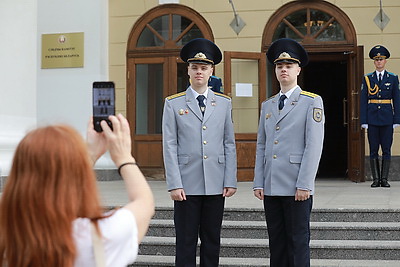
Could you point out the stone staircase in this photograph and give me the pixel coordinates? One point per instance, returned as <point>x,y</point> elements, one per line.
<point>339,237</point>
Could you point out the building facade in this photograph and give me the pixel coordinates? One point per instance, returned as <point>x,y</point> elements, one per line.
<point>145,38</point>
<point>141,55</point>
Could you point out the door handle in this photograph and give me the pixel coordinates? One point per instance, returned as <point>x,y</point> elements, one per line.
<point>345,112</point>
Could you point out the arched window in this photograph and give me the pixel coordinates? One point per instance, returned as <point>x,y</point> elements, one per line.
<point>167,29</point>
<point>313,23</point>
<point>310,24</point>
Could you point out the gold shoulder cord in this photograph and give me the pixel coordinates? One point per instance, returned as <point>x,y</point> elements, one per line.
<point>371,91</point>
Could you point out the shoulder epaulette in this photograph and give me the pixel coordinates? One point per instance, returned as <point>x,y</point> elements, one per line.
<point>271,97</point>
<point>225,96</point>
<point>309,94</point>
<point>176,95</point>
<point>369,73</point>
<point>391,73</point>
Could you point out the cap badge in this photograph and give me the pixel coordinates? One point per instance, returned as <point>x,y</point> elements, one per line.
<point>284,55</point>
<point>200,55</point>
<point>378,55</point>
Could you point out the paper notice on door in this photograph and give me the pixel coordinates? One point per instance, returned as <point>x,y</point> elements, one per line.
<point>244,89</point>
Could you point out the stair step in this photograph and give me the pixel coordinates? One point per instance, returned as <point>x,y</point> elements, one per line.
<point>320,249</point>
<point>319,230</point>
<point>150,260</point>
<point>317,215</point>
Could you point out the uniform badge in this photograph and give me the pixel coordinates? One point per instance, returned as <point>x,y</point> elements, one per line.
<point>387,84</point>
<point>267,116</point>
<point>181,112</point>
<point>317,114</point>
<point>213,102</point>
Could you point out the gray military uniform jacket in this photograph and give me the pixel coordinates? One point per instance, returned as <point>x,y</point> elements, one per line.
<point>289,144</point>
<point>199,153</point>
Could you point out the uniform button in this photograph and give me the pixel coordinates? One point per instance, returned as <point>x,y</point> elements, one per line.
<point>276,142</point>
<point>205,157</point>
<point>275,156</point>
<point>379,107</point>
<point>379,96</point>
<point>205,142</point>
<point>204,127</point>
<point>277,128</point>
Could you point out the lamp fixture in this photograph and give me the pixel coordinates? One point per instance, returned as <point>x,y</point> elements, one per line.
<point>237,23</point>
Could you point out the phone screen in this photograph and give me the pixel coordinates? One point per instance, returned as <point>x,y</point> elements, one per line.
<point>103,103</point>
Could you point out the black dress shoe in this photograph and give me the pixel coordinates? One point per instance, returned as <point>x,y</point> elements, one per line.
<point>384,183</point>
<point>375,183</point>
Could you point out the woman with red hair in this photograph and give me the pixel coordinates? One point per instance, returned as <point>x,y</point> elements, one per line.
<point>50,202</point>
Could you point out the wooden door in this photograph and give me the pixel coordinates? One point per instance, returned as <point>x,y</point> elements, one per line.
<point>245,69</point>
<point>356,148</point>
<point>150,80</point>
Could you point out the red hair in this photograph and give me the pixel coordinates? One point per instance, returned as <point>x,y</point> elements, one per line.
<point>51,183</point>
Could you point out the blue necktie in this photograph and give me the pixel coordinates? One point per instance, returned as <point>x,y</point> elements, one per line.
<point>380,77</point>
<point>281,102</point>
<point>202,106</point>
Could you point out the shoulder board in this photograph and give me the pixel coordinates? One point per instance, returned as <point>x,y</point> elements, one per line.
<point>222,95</point>
<point>309,94</point>
<point>269,98</point>
<point>368,74</point>
<point>176,95</point>
<point>391,73</point>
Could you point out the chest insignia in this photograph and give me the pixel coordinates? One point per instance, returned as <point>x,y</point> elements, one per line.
<point>387,84</point>
<point>267,116</point>
<point>183,111</point>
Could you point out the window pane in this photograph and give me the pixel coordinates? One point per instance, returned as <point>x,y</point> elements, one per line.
<point>334,32</point>
<point>148,38</point>
<point>245,109</point>
<point>298,20</point>
<point>149,98</point>
<point>179,24</point>
<point>183,77</point>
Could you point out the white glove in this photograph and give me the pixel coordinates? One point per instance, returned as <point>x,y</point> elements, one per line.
<point>365,126</point>
<point>395,125</point>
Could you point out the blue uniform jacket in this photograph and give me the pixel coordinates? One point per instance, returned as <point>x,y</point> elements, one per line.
<point>374,110</point>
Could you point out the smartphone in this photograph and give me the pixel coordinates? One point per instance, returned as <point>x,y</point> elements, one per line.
<point>103,103</point>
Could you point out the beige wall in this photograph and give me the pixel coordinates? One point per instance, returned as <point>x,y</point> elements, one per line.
<point>124,14</point>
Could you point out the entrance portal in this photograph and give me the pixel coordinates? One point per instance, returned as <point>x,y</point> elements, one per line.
<point>329,80</point>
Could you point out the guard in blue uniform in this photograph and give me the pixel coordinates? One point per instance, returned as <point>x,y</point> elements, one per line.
<point>380,113</point>
<point>215,84</point>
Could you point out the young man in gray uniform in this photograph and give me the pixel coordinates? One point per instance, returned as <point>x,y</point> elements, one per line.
<point>199,157</point>
<point>289,147</point>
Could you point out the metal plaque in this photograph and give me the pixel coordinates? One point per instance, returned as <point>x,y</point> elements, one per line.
<point>62,50</point>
